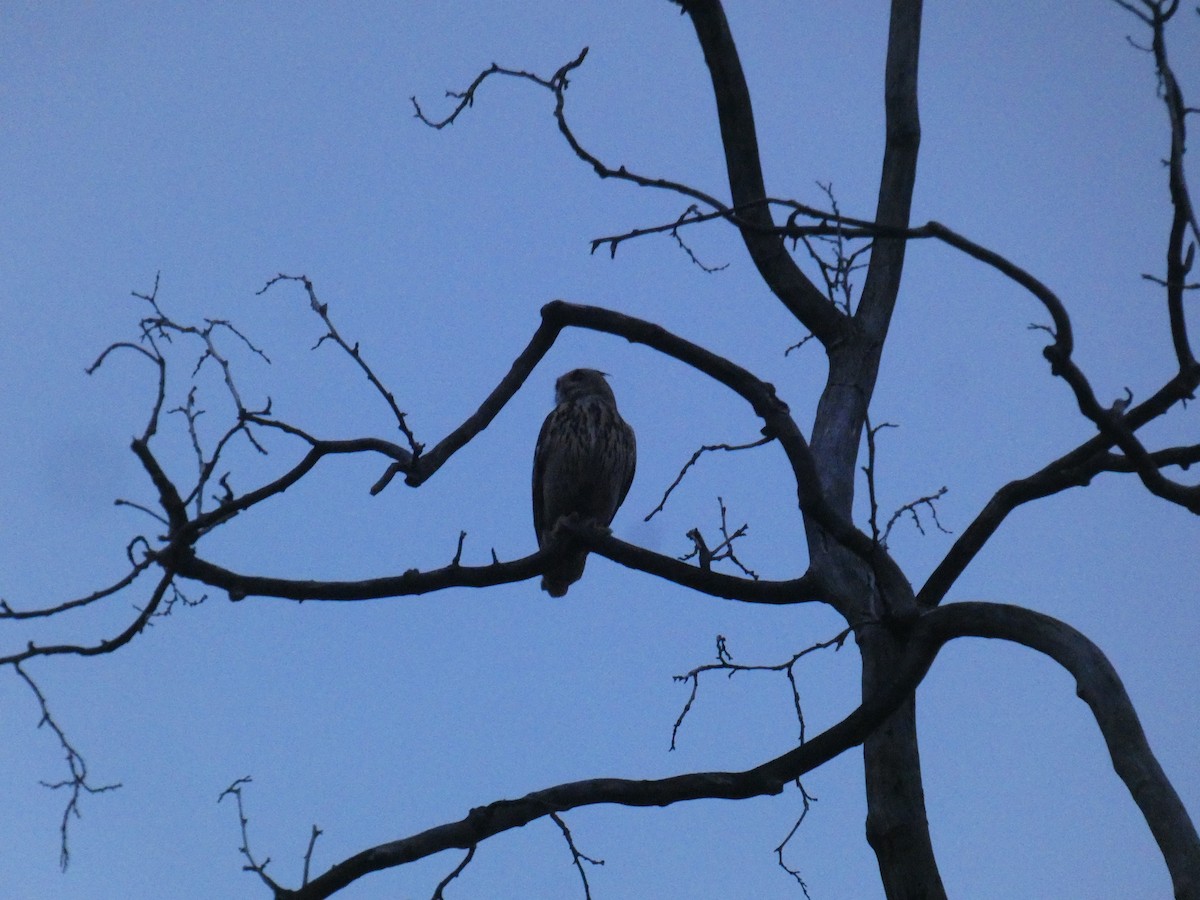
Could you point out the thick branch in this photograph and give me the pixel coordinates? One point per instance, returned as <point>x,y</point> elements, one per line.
<point>899,171</point>
<point>415,582</point>
<point>778,425</point>
<point>777,419</point>
<point>1098,686</point>
<point>740,141</point>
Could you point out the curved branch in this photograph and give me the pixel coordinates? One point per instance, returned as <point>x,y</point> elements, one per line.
<point>7,612</point>
<point>556,316</point>
<point>411,583</point>
<point>425,465</point>
<point>778,423</point>
<point>107,645</point>
<point>1075,468</point>
<point>318,450</point>
<point>739,139</point>
<point>1097,684</point>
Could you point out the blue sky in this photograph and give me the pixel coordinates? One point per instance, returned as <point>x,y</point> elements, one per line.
<point>221,144</point>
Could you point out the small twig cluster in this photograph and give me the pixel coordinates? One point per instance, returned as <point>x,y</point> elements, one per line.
<point>842,261</point>
<point>726,664</point>
<point>705,556</point>
<point>911,509</point>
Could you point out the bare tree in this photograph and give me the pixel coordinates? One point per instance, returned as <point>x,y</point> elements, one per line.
<point>899,628</point>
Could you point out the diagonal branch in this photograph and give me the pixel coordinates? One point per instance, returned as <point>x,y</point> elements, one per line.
<point>557,315</point>
<point>332,334</point>
<point>105,645</point>
<point>739,139</point>
<point>1097,685</point>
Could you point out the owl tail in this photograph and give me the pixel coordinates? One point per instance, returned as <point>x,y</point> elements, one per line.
<point>556,581</point>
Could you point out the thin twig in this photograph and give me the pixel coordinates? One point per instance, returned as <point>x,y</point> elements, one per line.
<point>726,664</point>
<point>439,891</point>
<point>312,843</point>
<point>807,799</point>
<point>332,334</point>
<point>252,865</point>
<point>707,448</point>
<point>77,784</point>
<point>576,857</point>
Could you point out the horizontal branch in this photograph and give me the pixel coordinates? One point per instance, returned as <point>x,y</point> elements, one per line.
<point>415,582</point>
<point>1097,684</point>
<point>557,315</point>
<point>411,583</point>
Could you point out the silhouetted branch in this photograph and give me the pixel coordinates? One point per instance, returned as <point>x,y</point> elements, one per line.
<point>77,782</point>
<point>438,892</point>
<point>807,799</point>
<point>555,83</point>
<point>576,857</point>
<point>312,843</point>
<point>7,612</point>
<point>912,510</point>
<point>707,448</point>
<point>252,865</point>
<point>332,334</point>
<point>706,556</point>
<point>107,645</point>
<point>414,582</point>
<point>708,270</point>
<point>726,664</point>
<point>1179,260</point>
<point>1097,682</point>
<point>739,139</point>
<point>748,211</point>
<point>869,472</point>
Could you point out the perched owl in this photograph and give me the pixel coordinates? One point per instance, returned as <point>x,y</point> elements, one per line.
<point>583,465</point>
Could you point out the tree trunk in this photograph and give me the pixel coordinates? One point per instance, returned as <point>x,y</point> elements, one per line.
<point>897,828</point>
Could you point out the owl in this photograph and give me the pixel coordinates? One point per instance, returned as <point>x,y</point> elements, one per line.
<point>582,466</point>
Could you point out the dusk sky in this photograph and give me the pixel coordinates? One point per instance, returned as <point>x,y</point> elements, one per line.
<point>213,146</point>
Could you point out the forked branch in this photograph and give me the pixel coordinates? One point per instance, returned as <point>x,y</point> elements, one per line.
<point>1097,684</point>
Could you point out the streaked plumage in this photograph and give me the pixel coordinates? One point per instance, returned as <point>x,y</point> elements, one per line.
<point>583,465</point>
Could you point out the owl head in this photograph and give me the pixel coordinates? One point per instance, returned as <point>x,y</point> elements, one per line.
<point>579,384</point>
